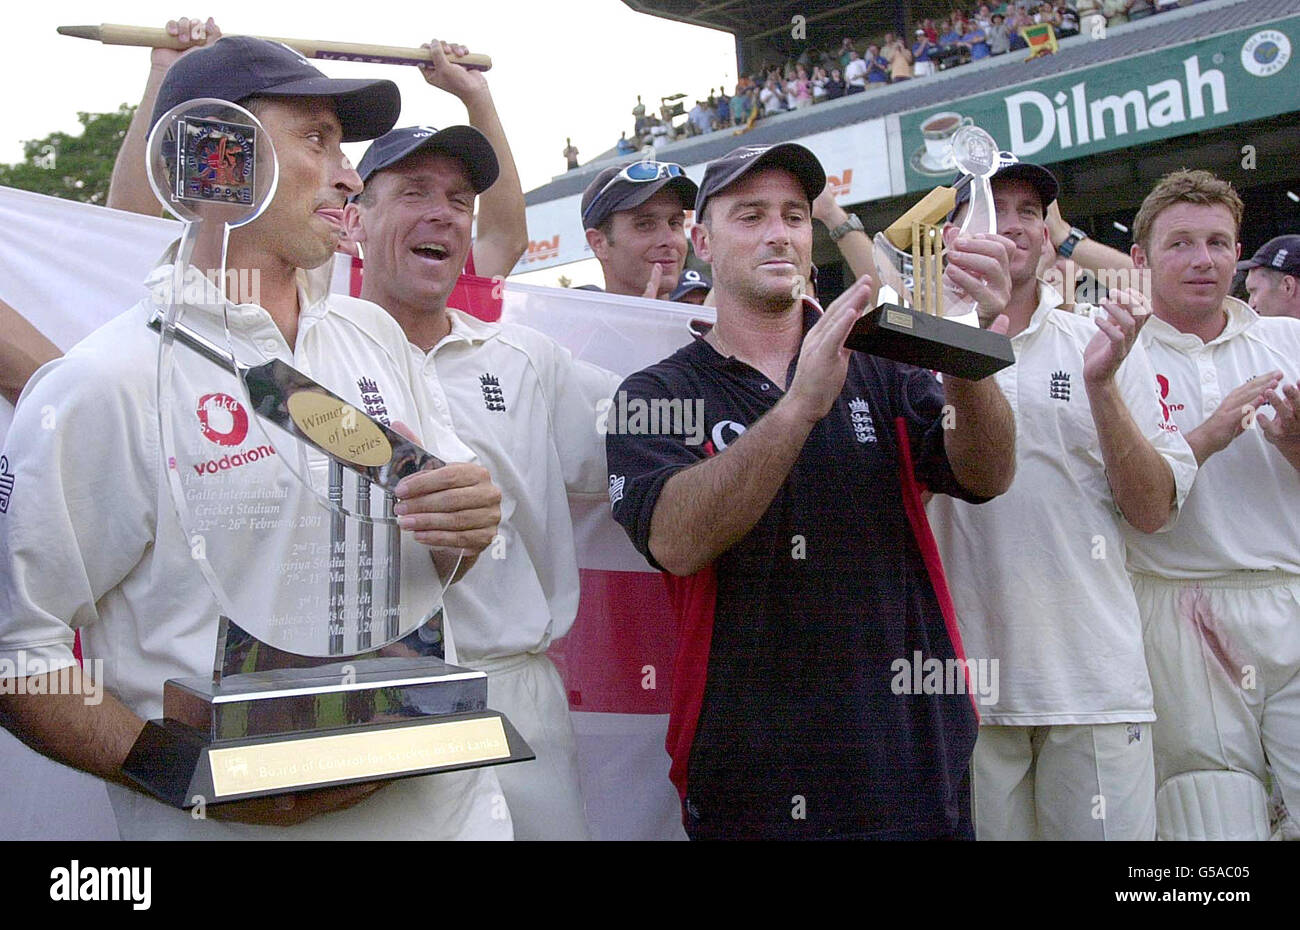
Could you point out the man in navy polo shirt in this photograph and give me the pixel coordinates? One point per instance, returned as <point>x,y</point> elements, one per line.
<point>792,520</point>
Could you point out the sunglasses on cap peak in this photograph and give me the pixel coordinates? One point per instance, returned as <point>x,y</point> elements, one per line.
<point>639,172</point>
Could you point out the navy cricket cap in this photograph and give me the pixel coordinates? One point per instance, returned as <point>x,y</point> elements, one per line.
<point>1042,180</point>
<point>730,168</point>
<point>237,67</point>
<point>464,143</point>
<point>1281,253</point>
<point>689,281</point>
<point>604,196</point>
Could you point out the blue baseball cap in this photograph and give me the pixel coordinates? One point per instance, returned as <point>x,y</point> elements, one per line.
<point>1281,253</point>
<point>235,68</point>
<point>690,280</point>
<point>730,168</point>
<point>1043,182</point>
<point>626,187</point>
<point>464,143</point>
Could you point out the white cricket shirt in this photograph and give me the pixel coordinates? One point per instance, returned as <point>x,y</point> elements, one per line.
<point>89,538</point>
<point>1244,512</point>
<point>1037,575</point>
<point>528,411</point>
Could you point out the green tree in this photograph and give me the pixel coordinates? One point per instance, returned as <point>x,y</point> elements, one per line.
<point>72,167</point>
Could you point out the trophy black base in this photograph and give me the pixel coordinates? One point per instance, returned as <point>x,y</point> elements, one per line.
<point>933,342</point>
<point>181,766</point>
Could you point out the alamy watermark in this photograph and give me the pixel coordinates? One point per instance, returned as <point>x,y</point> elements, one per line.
<point>1093,287</point>
<point>26,674</point>
<point>241,286</point>
<point>919,675</point>
<point>659,416</point>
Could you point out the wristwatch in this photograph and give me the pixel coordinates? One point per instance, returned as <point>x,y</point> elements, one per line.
<point>842,230</point>
<point>1066,248</point>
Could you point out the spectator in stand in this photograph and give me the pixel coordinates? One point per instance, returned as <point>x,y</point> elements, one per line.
<point>1020,20</point>
<point>975,40</point>
<point>877,67</point>
<point>658,132</point>
<point>931,33</point>
<point>1117,12</point>
<point>899,58</point>
<point>983,18</point>
<point>722,115</point>
<point>818,82</point>
<point>847,52</point>
<point>740,106</point>
<point>1092,17</point>
<point>998,39</point>
<point>1068,19</point>
<point>1140,9</point>
<point>922,50</point>
<point>570,154</point>
<point>835,86</point>
<point>700,119</point>
<point>624,146</point>
<point>855,75</point>
<point>803,89</point>
<point>772,98</point>
<point>949,42</point>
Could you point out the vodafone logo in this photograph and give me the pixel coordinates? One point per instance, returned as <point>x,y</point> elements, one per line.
<point>725,432</point>
<point>1166,408</point>
<point>222,419</point>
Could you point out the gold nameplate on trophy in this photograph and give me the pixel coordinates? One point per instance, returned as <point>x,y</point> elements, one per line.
<point>306,763</point>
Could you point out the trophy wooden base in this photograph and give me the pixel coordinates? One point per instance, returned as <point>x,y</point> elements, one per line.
<point>181,766</point>
<point>933,342</point>
<point>361,718</point>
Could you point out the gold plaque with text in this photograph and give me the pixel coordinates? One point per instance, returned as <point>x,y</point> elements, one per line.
<point>898,319</point>
<point>366,754</point>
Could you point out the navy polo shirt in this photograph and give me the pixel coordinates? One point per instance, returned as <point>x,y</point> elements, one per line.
<point>795,729</point>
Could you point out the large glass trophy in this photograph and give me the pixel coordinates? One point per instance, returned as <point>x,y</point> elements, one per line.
<point>327,627</point>
<point>933,324</point>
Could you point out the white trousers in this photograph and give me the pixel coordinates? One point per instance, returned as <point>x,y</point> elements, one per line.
<point>466,805</point>
<point>1064,782</point>
<point>1224,657</point>
<point>544,795</point>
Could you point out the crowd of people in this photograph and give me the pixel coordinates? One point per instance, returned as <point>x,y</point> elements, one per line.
<point>857,66</point>
<point>1110,517</point>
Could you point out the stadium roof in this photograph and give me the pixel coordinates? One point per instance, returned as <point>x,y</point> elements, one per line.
<point>1147,35</point>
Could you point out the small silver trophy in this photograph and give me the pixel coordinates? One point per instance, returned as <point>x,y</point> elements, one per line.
<point>933,325</point>
<point>328,662</point>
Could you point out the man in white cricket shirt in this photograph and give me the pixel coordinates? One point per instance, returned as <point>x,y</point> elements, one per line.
<point>89,539</point>
<point>1220,593</point>
<point>528,411</point>
<point>1037,576</point>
